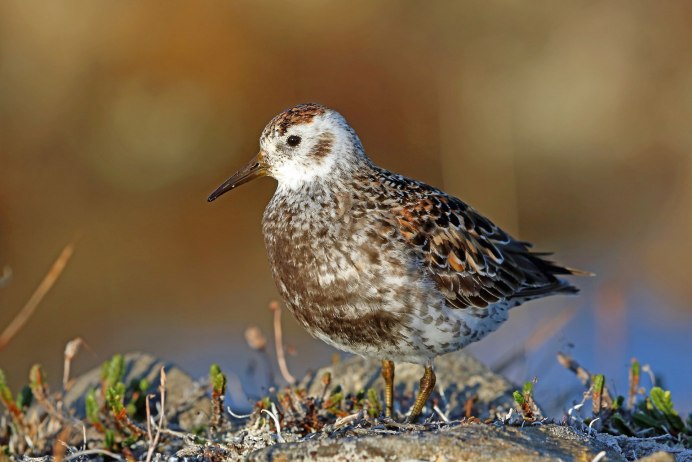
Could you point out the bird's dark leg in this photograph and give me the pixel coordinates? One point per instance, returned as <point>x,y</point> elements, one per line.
<point>388,376</point>
<point>427,384</point>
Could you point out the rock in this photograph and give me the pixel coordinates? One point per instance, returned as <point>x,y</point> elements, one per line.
<point>465,442</point>
<point>658,457</point>
<point>459,375</point>
<point>183,394</point>
<point>636,448</point>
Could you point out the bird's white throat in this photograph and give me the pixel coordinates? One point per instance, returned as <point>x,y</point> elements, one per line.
<point>297,175</point>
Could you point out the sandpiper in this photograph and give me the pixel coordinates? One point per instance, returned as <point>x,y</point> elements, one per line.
<point>378,264</point>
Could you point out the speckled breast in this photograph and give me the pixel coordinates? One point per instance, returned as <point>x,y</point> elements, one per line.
<point>341,269</point>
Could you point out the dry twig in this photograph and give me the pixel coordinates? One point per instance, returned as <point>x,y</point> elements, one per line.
<point>60,446</point>
<point>278,341</point>
<point>468,406</point>
<point>150,419</point>
<point>439,412</point>
<point>71,350</point>
<point>646,368</point>
<point>237,416</point>
<point>274,416</point>
<point>349,419</point>
<point>46,284</point>
<point>155,441</point>
<point>569,363</point>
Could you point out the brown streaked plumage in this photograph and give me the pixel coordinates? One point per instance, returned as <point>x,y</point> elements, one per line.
<point>378,264</point>
<point>472,261</point>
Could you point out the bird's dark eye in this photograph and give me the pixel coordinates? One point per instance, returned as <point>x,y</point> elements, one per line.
<point>293,140</point>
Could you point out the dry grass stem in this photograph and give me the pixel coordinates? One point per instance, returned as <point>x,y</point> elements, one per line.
<point>569,363</point>
<point>147,407</point>
<point>346,420</point>
<point>439,412</point>
<point>274,416</point>
<point>153,443</point>
<point>125,424</point>
<point>43,288</point>
<point>60,447</point>
<point>71,350</point>
<point>237,416</point>
<point>278,341</point>
<point>468,406</point>
<point>600,456</point>
<point>326,381</point>
<point>646,368</point>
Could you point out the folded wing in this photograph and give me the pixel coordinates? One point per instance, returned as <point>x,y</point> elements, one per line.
<point>473,262</point>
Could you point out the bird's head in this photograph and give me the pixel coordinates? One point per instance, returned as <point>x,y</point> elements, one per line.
<point>303,144</point>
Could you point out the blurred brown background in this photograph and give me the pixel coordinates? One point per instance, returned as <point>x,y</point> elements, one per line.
<point>568,123</point>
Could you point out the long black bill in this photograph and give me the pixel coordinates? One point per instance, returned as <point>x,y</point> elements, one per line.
<point>253,169</point>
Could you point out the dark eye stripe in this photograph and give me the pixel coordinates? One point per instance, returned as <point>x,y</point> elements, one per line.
<point>293,140</point>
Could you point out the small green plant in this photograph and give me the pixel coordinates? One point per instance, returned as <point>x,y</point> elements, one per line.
<point>218,391</point>
<point>8,400</point>
<point>333,402</point>
<point>635,374</point>
<point>113,371</point>
<point>115,400</point>
<point>641,414</point>
<point>655,414</point>
<point>119,403</point>
<point>658,412</point>
<point>92,411</point>
<point>597,399</point>
<point>109,440</point>
<point>136,396</point>
<point>24,398</point>
<point>363,400</point>
<point>375,406</point>
<point>115,395</point>
<point>40,391</point>
<point>5,393</point>
<point>36,380</point>
<point>526,404</point>
<point>518,398</point>
<point>218,379</point>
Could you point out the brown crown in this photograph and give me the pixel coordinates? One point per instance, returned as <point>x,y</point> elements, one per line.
<point>300,114</point>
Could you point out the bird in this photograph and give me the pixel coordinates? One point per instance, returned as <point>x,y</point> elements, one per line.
<point>377,264</point>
